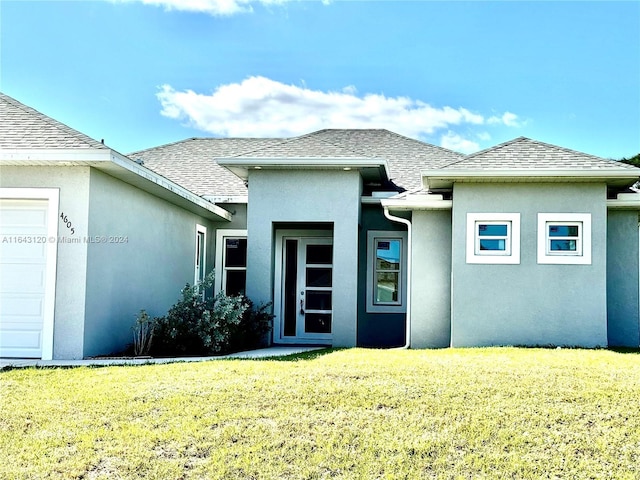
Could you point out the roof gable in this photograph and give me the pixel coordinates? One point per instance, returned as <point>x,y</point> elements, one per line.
<point>22,127</point>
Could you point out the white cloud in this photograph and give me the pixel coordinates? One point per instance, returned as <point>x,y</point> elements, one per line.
<point>259,106</point>
<point>211,7</point>
<point>455,142</point>
<point>507,118</point>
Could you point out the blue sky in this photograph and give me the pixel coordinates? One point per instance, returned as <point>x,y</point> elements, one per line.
<point>463,75</point>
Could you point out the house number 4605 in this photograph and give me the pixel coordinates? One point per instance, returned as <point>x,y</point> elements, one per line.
<point>67,222</point>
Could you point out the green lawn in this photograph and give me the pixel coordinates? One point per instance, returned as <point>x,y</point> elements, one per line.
<point>458,413</point>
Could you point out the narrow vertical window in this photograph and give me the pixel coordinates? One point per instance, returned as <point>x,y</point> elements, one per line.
<point>386,271</point>
<point>235,266</point>
<point>231,262</point>
<point>201,254</point>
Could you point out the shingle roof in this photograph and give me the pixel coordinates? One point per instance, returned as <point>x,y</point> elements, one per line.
<point>406,156</point>
<point>191,163</point>
<point>525,154</point>
<point>22,127</point>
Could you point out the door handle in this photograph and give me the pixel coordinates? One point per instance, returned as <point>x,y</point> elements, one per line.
<point>302,306</point>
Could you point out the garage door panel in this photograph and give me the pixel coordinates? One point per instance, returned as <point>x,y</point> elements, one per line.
<point>24,214</point>
<point>22,278</point>
<point>16,306</point>
<point>21,343</point>
<point>33,250</point>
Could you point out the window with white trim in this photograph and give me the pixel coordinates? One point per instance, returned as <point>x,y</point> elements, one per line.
<point>231,262</point>
<point>386,271</point>
<point>564,238</point>
<point>493,238</point>
<point>201,253</point>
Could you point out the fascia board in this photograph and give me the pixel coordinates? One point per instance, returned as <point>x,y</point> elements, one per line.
<point>120,167</point>
<point>41,156</point>
<point>625,201</point>
<point>240,166</point>
<point>439,179</point>
<point>169,190</point>
<point>415,204</point>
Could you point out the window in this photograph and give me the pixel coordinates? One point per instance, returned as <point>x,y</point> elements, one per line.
<point>564,238</point>
<point>386,271</point>
<point>201,253</point>
<point>231,261</point>
<point>493,238</point>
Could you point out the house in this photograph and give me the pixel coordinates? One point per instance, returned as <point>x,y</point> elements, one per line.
<point>357,237</point>
<point>88,237</point>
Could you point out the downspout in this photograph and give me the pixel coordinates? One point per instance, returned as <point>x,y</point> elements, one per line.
<point>393,218</point>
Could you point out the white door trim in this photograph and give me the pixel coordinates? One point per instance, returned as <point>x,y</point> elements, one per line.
<point>52,195</point>
<point>278,324</point>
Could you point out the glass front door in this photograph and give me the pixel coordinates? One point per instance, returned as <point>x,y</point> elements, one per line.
<point>307,295</point>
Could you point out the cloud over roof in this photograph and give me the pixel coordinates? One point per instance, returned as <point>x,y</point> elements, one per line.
<point>262,107</point>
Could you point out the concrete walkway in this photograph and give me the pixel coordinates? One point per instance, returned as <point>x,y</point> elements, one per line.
<point>270,352</point>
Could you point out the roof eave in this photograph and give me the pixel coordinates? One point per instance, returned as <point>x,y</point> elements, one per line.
<point>369,168</point>
<point>415,202</point>
<point>120,167</point>
<point>443,179</point>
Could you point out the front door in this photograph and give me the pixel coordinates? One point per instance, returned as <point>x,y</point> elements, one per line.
<point>305,304</point>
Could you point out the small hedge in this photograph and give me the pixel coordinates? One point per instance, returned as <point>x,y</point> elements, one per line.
<point>198,324</point>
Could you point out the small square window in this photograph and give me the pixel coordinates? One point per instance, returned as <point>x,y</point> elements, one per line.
<point>564,238</point>
<point>493,238</point>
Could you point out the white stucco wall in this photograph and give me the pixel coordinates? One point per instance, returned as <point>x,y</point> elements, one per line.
<point>529,303</point>
<point>299,197</point>
<point>431,279</point>
<point>151,258</point>
<point>73,182</point>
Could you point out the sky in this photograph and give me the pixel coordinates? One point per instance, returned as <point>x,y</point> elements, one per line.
<point>462,75</point>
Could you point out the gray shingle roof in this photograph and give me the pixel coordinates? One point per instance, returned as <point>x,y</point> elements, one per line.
<point>406,156</point>
<point>22,127</point>
<point>191,163</point>
<point>525,154</point>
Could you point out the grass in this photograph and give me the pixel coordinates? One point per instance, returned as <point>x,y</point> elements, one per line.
<point>473,413</point>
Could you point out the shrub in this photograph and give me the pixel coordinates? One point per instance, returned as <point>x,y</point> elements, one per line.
<point>142,334</point>
<point>255,324</point>
<point>201,325</point>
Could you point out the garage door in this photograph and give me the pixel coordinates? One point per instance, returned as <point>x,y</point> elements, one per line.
<point>27,273</point>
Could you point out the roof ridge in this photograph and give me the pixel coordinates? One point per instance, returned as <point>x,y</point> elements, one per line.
<point>52,122</point>
<point>391,132</point>
<point>484,150</point>
<point>190,139</point>
<point>300,137</point>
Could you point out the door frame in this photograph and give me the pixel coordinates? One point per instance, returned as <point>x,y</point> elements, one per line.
<point>52,196</point>
<point>278,283</point>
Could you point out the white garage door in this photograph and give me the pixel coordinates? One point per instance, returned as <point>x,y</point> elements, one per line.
<point>27,273</point>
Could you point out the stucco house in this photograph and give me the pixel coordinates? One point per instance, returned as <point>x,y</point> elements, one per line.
<point>357,237</point>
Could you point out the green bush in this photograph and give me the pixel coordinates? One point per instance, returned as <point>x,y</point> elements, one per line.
<point>208,325</point>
